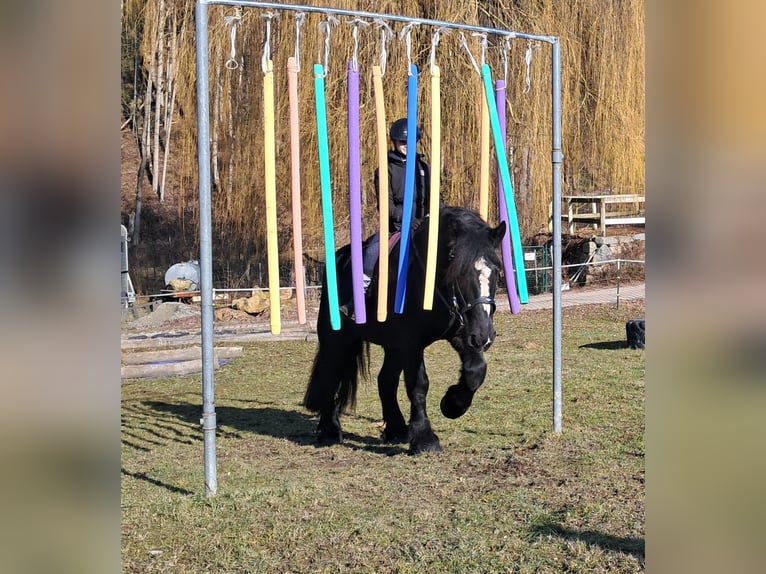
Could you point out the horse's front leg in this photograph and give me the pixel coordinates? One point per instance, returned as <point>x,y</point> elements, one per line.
<point>459,397</point>
<point>395,430</point>
<point>422,437</point>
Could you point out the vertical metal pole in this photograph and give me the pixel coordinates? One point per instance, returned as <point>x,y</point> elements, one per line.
<point>557,159</point>
<point>618,283</point>
<point>205,246</point>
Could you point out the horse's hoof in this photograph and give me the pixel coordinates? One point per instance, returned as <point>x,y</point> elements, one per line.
<point>427,447</point>
<point>429,443</point>
<point>456,401</point>
<point>329,439</point>
<point>395,436</point>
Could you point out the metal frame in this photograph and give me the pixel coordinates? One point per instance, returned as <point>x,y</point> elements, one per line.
<point>208,420</point>
<point>128,292</point>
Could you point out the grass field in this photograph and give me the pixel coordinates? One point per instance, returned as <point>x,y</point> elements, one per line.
<point>506,495</point>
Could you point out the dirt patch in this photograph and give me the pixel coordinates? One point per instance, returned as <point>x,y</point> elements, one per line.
<point>164,314</point>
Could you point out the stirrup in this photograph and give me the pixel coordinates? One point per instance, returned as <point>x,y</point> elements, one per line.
<point>347,310</point>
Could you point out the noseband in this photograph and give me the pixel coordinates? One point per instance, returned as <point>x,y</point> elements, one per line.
<point>459,312</point>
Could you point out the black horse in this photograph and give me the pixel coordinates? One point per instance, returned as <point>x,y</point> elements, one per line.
<point>467,272</point>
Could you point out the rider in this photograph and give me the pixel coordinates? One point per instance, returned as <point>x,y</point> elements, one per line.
<point>396,170</point>
<point>396,174</point>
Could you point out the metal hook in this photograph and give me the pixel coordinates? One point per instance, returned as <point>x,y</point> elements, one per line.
<point>434,42</point>
<point>483,44</point>
<point>267,43</point>
<point>464,44</point>
<point>300,18</point>
<point>355,34</point>
<point>528,61</point>
<point>233,21</point>
<point>504,54</point>
<point>326,27</point>
<point>386,33</point>
<point>406,33</point>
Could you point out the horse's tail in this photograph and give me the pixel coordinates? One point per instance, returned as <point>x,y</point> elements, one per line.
<point>335,375</point>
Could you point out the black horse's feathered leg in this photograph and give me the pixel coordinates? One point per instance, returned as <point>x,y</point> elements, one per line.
<point>458,397</point>
<point>422,436</point>
<point>321,394</point>
<point>395,430</point>
<point>334,380</point>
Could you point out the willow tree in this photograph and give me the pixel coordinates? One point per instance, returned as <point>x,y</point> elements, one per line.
<point>602,46</point>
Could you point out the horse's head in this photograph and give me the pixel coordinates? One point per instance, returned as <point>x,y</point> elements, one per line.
<point>472,269</point>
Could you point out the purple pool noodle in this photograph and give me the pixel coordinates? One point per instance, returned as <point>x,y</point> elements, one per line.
<point>510,281</point>
<point>355,197</point>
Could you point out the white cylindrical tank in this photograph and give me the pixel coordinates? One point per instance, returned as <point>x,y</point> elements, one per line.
<point>187,271</point>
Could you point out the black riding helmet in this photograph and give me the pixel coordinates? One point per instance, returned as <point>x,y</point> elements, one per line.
<point>399,130</point>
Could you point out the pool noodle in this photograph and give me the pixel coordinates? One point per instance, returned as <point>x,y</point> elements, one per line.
<point>409,188</point>
<point>510,282</point>
<point>433,208</point>
<point>355,195</point>
<point>484,162</point>
<point>269,154</point>
<point>295,173</point>
<point>327,217</point>
<point>380,116</point>
<point>518,258</point>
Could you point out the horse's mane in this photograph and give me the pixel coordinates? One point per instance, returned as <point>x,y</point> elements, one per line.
<point>465,238</point>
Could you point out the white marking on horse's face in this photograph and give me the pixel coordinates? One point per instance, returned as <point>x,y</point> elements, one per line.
<point>485,272</point>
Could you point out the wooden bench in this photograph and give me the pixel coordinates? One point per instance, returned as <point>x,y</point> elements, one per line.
<point>599,214</point>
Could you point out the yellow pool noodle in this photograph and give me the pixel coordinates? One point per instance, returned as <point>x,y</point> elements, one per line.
<point>380,115</point>
<point>269,155</point>
<point>484,169</point>
<point>433,209</point>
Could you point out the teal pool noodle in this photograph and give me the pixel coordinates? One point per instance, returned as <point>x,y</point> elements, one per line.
<point>327,218</point>
<point>502,162</point>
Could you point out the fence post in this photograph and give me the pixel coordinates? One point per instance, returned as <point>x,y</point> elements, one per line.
<point>618,283</point>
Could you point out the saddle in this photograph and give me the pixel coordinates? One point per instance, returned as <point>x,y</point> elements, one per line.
<point>347,308</point>
<point>393,241</point>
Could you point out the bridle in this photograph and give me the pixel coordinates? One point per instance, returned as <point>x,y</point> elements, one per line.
<point>459,312</point>
<point>456,311</point>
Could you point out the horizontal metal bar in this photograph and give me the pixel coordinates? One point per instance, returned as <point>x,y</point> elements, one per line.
<point>627,198</point>
<point>375,16</point>
<point>624,220</point>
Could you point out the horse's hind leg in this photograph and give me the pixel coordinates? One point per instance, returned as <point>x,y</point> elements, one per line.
<point>388,385</point>
<point>329,430</point>
<point>322,393</point>
<point>422,436</point>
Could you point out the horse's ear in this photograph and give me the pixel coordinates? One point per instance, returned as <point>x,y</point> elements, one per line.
<point>497,234</point>
<point>452,233</point>
<point>453,229</point>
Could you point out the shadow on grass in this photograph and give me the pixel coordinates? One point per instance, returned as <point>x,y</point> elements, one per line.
<point>296,427</point>
<point>606,345</point>
<point>627,545</point>
<point>143,476</point>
